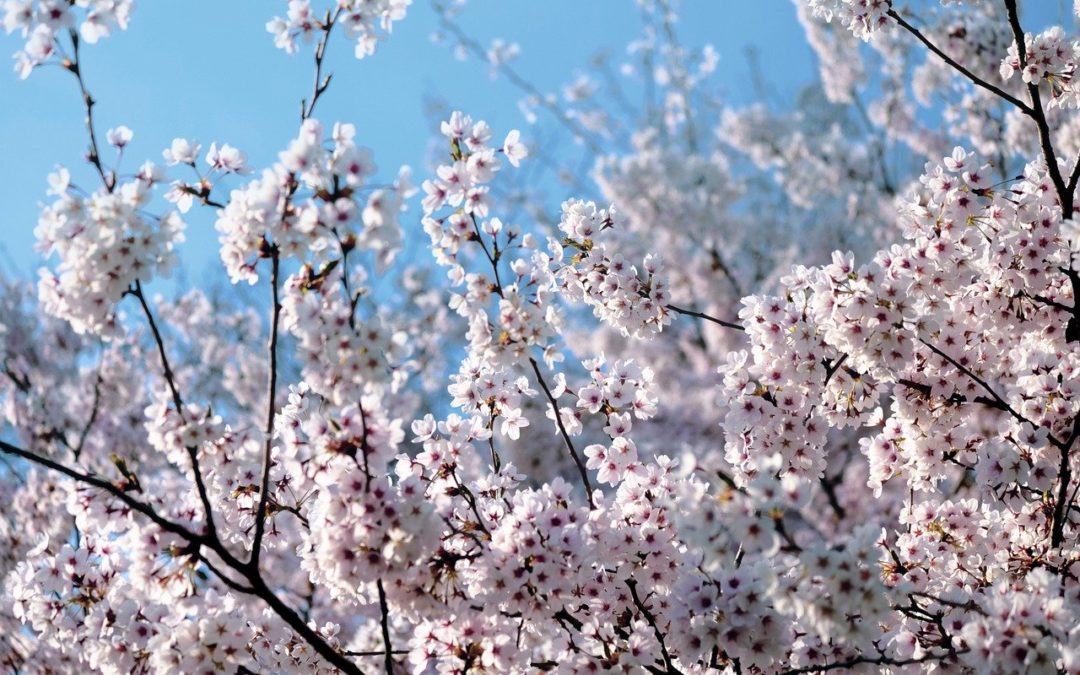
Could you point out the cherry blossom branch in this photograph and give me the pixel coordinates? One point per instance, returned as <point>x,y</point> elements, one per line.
<point>1074,178</point>
<point>865,660</point>
<point>94,409</point>
<point>493,259</point>
<point>978,81</point>
<point>1037,113</point>
<point>828,486</point>
<point>718,263</point>
<point>384,623</point>
<point>701,315</point>
<point>1002,404</point>
<point>287,614</point>
<point>1057,527</point>
<point>264,484</point>
<point>562,430</point>
<point>670,669</point>
<point>170,379</point>
<point>321,84</point>
<point>94,156</point>
<point>225,579</point>
<point>258,586</point>
<point>102,484</point>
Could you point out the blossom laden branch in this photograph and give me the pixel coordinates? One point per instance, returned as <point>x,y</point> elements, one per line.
<point>955,65</point>
<point>582,471</point>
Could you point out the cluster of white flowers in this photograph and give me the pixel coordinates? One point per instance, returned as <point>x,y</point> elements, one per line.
<point>106,243</point>
<point>362,20</point>
<point>1051,57</point>
<point>42,21</point>
<point>619,294</point>
<point>309,203</point>
<point>861,17</point>
<point>340,356</point>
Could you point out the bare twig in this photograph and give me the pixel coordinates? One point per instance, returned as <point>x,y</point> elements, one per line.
<point>108,179</point>
<point>706,317</point>
<point>307,107</point>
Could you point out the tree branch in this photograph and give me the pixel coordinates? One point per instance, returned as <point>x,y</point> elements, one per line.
<point>264,484</point>
<point>669,667</point>
<point>1036,113</point>
<point>701,315</point>
<point>321,84</point>
<point>384,622</point>
<point>566,436</point>
<point>978,81</point>
<point>108,179</point>
<point>170,379</point>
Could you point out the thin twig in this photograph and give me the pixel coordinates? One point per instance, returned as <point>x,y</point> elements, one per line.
<point>321,84</point>
<point>566,436</point>
<point>518,81</point>
<point>701,315</point>
<point>94,156</point>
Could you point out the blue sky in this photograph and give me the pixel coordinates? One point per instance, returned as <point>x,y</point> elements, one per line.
<point>208,70</point>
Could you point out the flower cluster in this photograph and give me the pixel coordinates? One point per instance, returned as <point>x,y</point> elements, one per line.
<point>633,301</point>
<point>1048,56</point>
<point>861,17</point>
<point>41,22</point>
<point>106,244</point>
<point>309,202</point>
<point>362,20</point>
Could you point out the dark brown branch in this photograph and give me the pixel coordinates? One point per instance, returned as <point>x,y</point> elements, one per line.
<point>1000,402</point>
<point>321,83</point>
<point>170,379</point>
<point>267,460</point>
<point>1037,113</point>
<point>867,660</point>
<point>107,486</point>
<point>562,430</point>
<point>1074,178</point>
<point>225,579</point>
<point>95,407</point>
<point>384,623</point>
<point>108,179</point>
<point>975,79</point>
<point>706,317</point>
<point>669,667</point>
<point>828,486</point>
<point>257,587</point>
<point>1061,514</point>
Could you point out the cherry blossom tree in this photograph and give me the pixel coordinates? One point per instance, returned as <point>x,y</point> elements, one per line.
<point>770,392</point>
